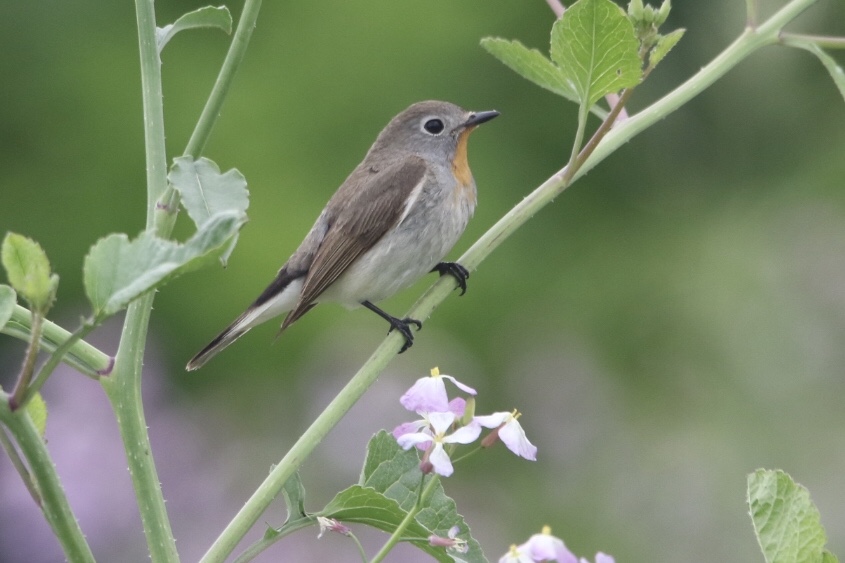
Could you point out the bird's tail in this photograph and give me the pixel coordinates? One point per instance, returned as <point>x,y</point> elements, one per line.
<point>234,331</point>
<point>279,297</point>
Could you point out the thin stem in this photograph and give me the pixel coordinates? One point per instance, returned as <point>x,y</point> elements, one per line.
<point>622,132</point>
<point>556,7</point>
<point>54,359</point>
<point>822,41</point>
<point>261,545</point>
<point>752,11</point>
<point>28,362</point>
<point>54,503</point>
<point>80,356</point>
<point>583,112</point>
<point>361,551</point>
<point>233,60</point>
<point>168,204</point>
<point>397,534</point>
<point>19,466</point>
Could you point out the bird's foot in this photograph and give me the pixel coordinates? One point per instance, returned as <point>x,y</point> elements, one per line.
<point>404,328</point>
<point>456,271</point>
<point>402,325</point>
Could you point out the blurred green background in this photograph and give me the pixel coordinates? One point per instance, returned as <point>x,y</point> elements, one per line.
<point>669,324</point>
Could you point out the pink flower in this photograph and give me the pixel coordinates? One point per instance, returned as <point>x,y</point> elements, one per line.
<point>428,394</point>
<point>452,542</point>
<point>440,423</point>
<point>541,547</point>
<point>331,525</point>
<point>510,431</point>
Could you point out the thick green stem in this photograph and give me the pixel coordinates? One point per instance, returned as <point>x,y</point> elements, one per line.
<point>124,387</point>
<point>156,156</point>
<point>622,132</point>
<point>54,504</point>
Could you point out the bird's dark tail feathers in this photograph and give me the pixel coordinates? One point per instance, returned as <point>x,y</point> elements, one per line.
<point>221,341</point>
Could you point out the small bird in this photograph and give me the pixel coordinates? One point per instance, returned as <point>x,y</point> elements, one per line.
<point>391,222</point>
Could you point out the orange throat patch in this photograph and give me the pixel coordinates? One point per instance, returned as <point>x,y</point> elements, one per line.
<point>460,167</point>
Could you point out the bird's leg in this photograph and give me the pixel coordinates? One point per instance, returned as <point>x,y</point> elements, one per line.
<point>456,271</point>
<point>402,325</point>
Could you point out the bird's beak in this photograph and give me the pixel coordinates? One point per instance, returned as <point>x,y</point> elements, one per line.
<point>478,118</point>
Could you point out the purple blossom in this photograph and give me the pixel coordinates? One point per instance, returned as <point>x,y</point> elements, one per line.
<point>510,431</point>
<point>440,423</point>
<point>428,394</point>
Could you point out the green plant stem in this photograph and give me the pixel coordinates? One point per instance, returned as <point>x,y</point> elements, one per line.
<point>54,504</point>
<point>151,89</point>
<point>124,387</point>
<point>261,545</point>
<point>169,202</point>
<point>123,390</point>
<point>360,547</point>
<point>752,9</point>
<point>397,534</point>
<point>28,367</point>
<point>54,359</point>
<point>19,466</point>
<point>234,57</point>
<point>822,41</point>
<point>750,41</point>
<point>80,355</point>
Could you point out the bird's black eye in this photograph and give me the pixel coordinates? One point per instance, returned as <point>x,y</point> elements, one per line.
<point>433,126</point>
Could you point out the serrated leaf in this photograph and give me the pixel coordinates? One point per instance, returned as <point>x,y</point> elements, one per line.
<point>294,493</point>
<point>531,64</point>
<point>28,270</point>
<point>206,192</point>
<point>36,408</point>
<point>786,522</point>
<point>8,299</point>
<point>209,16</point>
<point>117,271</point>
<point>595,47</point>
<point>664,45</point>
<point>836,72</point>
<point>395,473</point>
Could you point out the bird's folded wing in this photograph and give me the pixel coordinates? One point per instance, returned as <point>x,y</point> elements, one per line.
<point>368,205</point>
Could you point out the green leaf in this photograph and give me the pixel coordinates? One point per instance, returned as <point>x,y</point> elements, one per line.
<point>786,522</point>
<point>531,64</point>
<point>664,45</point>
<point>365,505</point>
<point>595,47</point>
<point>294,494</point>
<point>29,271</point>
<point>828,557</point>
<point>36,408</point>
<point>395,473</point>
<point>208,16</point>
<point>836,72</point>
<point>117,271</point>
<point>206,192</point>
<point>8,299</point>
